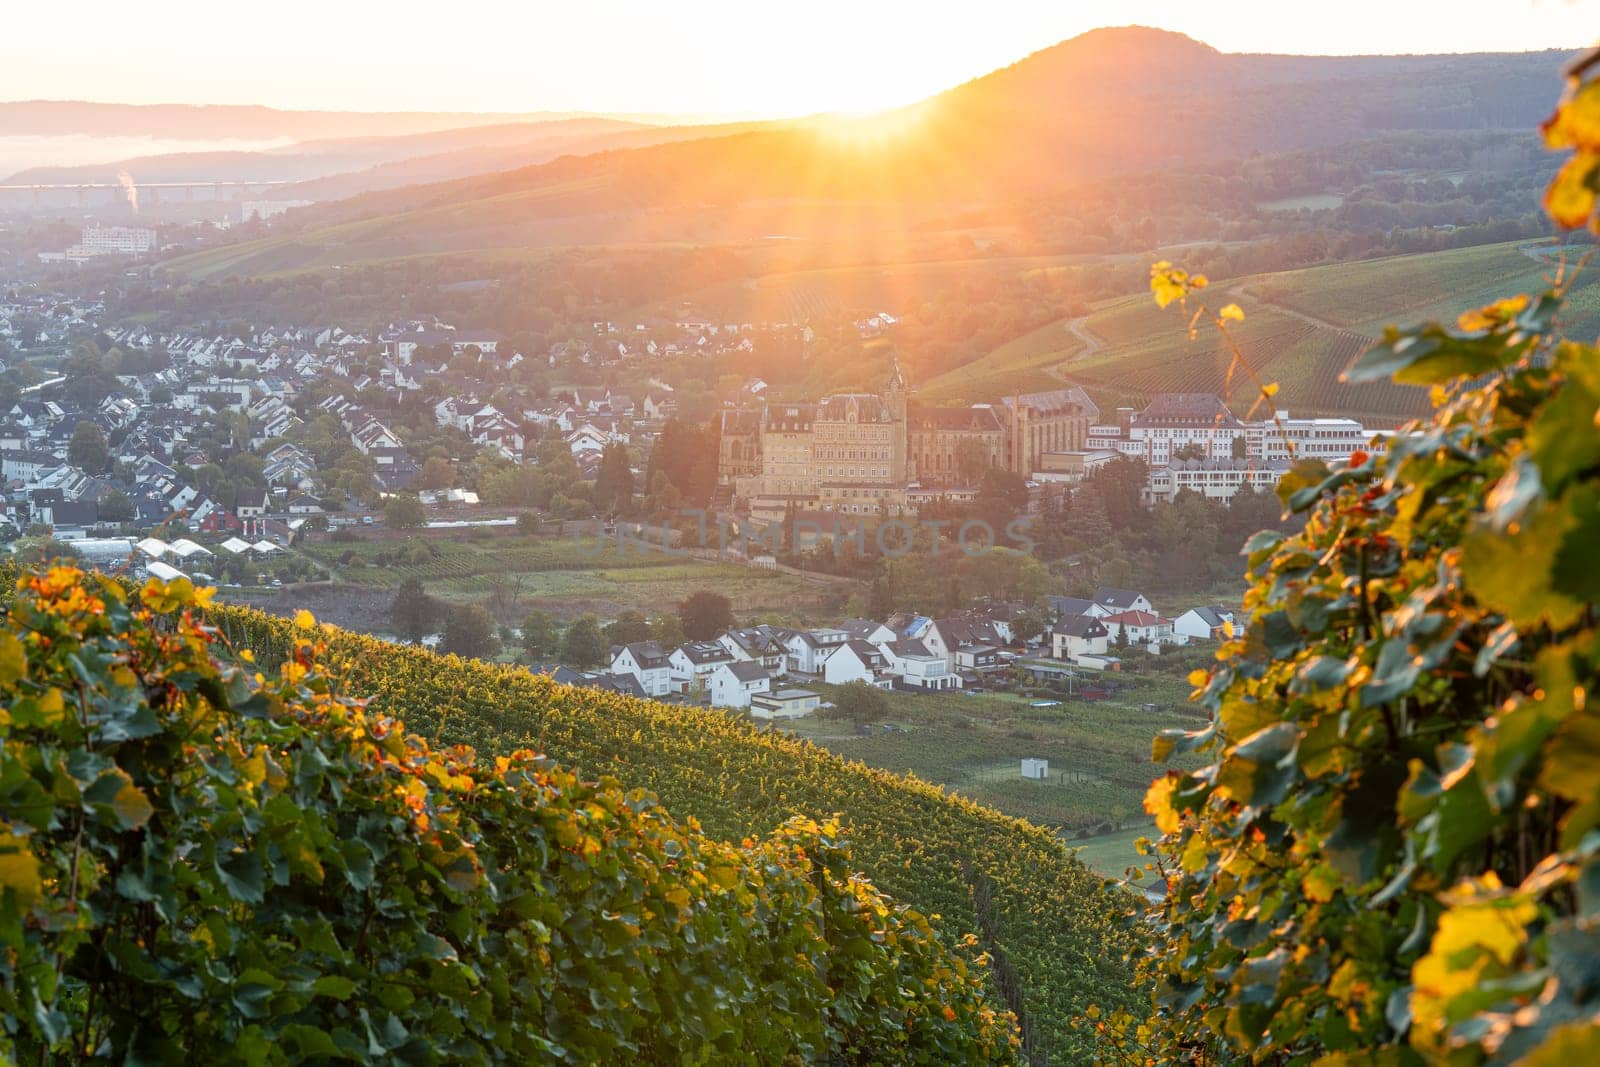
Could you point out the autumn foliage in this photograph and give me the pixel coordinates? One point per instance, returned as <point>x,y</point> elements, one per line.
<point>1389,852</point>
<point>199,861</point>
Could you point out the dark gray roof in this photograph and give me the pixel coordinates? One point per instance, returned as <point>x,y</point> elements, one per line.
<point>1121,599</point>
<point>747,670</point>
<point>1085,626</point>
<point>706,652</point>
<point>1067,606</point>
<point>646,654</point>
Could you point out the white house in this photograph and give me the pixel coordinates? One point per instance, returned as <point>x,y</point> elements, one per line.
<point>758,643</point>
<point>874,633</point>
<point>1115,601</point>
<point>647,663</point>
<point>784,704</point>
<point>734,684</point>
<point>857,661</point>
<point>809,649</point>
<point>1205,623</point>
<point>1140,628</point>
<point>913,664</point>
<point>694,663</point>
<point>1078,635</point>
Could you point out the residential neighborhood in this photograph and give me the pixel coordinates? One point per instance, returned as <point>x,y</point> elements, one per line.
<point>769,671</point>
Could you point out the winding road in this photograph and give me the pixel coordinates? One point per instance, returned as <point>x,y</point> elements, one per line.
<point>1079,328</point>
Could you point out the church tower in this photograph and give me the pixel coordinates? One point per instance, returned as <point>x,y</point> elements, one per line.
<point>894,398</point>
<point>894,391</point>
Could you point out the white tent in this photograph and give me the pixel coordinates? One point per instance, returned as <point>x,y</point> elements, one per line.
<point>153,547</point>
<point>186,548</point>
<point>236,545</point>
<point>266,546</point>
<point>163,571</point>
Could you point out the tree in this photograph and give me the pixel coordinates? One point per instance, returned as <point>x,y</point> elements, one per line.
<point>1030,624</point>
<point>88,449</point>
<point>613,483</point>
<point>115,507</point>
<point>404,512</point>
<point>584,646</point>
<point>541,637</point>
<point>412,612</point>
<point>469,630</point>
<point>628,627</point>
<point>436,473</point>
<point>859,702</point>
<point>666,630</point>
<point>705,615</point>
<point>973,460</point>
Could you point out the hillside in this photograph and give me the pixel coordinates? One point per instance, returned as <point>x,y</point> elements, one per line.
<point>1108,102</point>
<point>1039,910</point>
<point>228,867</point>
<point>1302,329</point>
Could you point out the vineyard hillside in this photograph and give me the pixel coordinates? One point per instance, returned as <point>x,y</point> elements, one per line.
<point>206,862</point>
<point>1302,329</point>
<point>1058,938</point>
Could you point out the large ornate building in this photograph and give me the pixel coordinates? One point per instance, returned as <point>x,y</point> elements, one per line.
<point>876,454</point>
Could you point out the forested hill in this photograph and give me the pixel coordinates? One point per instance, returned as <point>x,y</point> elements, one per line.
<point>1108,102</point>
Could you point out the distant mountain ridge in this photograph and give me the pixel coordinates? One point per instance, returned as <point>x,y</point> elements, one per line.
<point>305,160</point>
<point>1108,102</point>
<point>208,122</point>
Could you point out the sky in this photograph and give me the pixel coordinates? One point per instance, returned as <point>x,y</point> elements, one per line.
<point>686,57</point>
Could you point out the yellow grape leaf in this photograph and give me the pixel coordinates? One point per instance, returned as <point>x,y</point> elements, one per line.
<point>304,620</point>
<point>1492,315</point>
<point>133,808</point>
<point>1158,802</point>
<point>13,659</point>
<point>1570,198</point>
<point>1269,390</point>
<point>1232,313</point>
<point>19,868</point>
<point>1577,123</point>
<point>1320,883</point>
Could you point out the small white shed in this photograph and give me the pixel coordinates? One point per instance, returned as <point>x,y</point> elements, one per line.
<point>1037,769</point>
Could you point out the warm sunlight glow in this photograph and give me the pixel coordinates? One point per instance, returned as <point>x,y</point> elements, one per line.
<point>875,128</point>
<point>695,57</point>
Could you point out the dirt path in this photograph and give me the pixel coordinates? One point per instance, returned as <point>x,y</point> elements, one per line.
<point>1079,328</point>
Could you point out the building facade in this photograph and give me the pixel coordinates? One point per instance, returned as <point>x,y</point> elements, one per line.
<point>876,454</point>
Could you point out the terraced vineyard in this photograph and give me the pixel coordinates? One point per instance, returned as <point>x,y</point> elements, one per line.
<point>1302,329</point>
<point>1369,294</point>
<point>1045,916</point>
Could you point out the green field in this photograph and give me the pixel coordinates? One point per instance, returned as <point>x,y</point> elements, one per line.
<point>1099,752</point>
<point>559,575</point>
